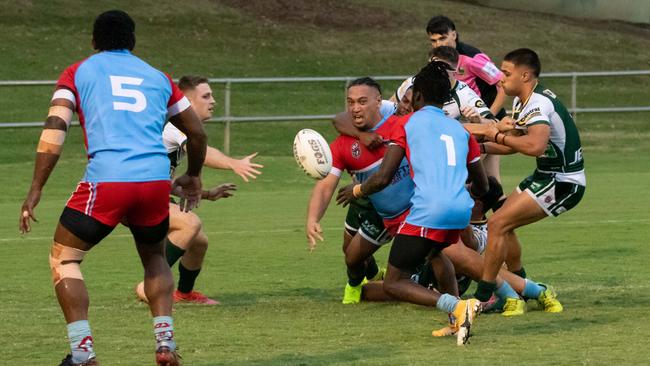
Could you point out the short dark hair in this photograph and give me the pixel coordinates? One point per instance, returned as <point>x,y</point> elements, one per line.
<point>368,81</point>
<point>433,83</point>
<point>114,30</point>
<point>440,24</point>
<point>445,53</point>
<point>190,82</point>
<point>527,57</point>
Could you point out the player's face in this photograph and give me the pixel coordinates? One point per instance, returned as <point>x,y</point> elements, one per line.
<point>446,39</point>
<point>202,101</point>
<point>363,103</point>
<point>512,81</point>
<point>405,106</point>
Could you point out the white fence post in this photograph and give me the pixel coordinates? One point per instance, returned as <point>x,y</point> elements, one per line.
<point>574,95</point>
<point>226,114</point>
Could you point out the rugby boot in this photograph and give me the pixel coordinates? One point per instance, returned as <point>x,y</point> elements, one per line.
<point>194,297</point>
<point>448,330</point>
<point>465,313</point>
<point>166,357</point>
<point>352,294</point>
<point>514,307</point>
<point>548,301</point>
<point>67,361</point>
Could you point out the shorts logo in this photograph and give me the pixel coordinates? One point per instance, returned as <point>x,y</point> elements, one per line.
<point>356,150</point>
<point>548,199</point>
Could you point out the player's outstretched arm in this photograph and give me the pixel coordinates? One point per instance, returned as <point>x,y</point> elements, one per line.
<point>221,191</point>
<point>244,167</point>
<point>48,151</point>
<point>318,202</point>
<point>376,182</point>
<point>533,143</point>
<point>343,124</point>
<point>191,126</point>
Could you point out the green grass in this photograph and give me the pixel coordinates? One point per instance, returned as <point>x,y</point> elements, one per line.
<point>281,303</point>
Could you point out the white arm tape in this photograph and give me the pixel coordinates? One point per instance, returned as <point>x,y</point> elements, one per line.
<point>65,94</point>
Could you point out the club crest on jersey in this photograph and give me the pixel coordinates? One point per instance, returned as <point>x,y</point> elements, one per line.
<point>356,150</point>
<point>479,104</point>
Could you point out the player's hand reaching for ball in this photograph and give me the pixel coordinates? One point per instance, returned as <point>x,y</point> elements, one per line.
<point>190,193</point>
<point>314,233</point>
<point>245,168</point>
<point>221,191</point>
<point>27,211</point>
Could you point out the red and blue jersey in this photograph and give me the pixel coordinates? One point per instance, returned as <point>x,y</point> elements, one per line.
<point>349,154</point>
<point>438,150</point>
<point>122,103</point>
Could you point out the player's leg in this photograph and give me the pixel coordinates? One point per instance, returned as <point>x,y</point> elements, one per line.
<point>357,255</point>
<point>148,221</point>
<point>518,210</point>
<point>75,234</point>
<point>183,228</point>
<point>189,268</point>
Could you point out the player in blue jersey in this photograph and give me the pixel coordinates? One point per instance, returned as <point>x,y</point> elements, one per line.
<point>122,104</point>
<point>440,154</point>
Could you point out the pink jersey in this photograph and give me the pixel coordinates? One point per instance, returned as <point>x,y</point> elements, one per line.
<point>479,66</point>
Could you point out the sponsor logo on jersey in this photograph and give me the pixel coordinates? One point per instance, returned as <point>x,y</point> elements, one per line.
<point>356,150</point>
<point>535,112</point>
<point>479,104</point>
<point>490,69</point>
<point>549,93</point>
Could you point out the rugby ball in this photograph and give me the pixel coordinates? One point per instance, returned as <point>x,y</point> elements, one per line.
<point>312,153</point>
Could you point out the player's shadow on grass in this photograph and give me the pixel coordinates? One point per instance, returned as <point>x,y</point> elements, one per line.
<point>351,355</point>
<point>297,293</point>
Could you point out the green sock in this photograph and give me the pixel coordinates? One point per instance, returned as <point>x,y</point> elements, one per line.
<point>186,278</point>
<point>172,252</point>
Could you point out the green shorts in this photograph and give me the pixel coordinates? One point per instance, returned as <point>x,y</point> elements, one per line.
<point>552,196</point>
<point>363,218</point>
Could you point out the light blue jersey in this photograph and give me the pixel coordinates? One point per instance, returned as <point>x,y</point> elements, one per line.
<point>123,104</point>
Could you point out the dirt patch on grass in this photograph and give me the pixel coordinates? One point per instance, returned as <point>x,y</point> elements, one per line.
<point>327,14</point>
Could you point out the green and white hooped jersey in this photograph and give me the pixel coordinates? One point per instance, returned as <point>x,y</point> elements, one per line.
<point>563,155</point>
<point>463,96</point>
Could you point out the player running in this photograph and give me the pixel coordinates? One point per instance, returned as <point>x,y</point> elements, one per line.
<point>543,128</point>
<point>122,104</point>
<point>364,229</point>
<point>186,238</point>
<point>441,155</point>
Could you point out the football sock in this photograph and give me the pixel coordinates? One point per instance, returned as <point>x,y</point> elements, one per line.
<point>484,290</point>
<point>81,341</point>
<point>371,268</point>
<point>520,272</point>
<point>447,303</point>
<point>172,252</point>
<point>355,279</point>
<point>163,331</point>
<point>506,291</point>
<point>532,290</point>
<point>186,278</point>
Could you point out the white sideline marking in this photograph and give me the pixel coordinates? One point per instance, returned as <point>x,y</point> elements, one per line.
<point>271,231</point>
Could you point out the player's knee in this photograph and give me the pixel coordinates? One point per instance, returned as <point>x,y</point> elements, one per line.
<point>192,223</point>
<point>499,225</point>
<point>64,262</point>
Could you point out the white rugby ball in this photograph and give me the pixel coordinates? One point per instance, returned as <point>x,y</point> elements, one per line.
<point>312,153</point>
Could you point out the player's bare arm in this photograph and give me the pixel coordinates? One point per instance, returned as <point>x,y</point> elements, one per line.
<point>191,126</point>
<point>533,143</point>
<point>48,151</point>
<point>318,202</point>
<point>244,167</point>
<point>343,124</point>
<point>478,178</point>
<point>376,182</point>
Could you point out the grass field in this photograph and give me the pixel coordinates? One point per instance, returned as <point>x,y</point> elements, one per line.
<point>281,304</point>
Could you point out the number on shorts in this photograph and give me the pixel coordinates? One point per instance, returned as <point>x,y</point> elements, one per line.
<point>139,103</point>
<point>451,152</point>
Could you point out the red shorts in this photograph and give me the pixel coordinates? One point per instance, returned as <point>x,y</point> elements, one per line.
<point>140,203</point>
<point>440,235</point>
<point>393,224</point>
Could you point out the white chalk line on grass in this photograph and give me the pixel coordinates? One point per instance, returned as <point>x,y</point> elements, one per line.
<point>274,231</point>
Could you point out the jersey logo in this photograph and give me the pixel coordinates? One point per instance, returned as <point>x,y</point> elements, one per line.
<point>460,71</point>
<point>528,116</point>
<point>549,93</point>
<point>356,150</point>
<point>479,104</point>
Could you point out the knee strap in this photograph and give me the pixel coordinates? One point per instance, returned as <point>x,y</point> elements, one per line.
<point>64,262</point>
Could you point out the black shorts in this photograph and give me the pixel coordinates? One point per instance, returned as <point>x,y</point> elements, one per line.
<point>409,252</point>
